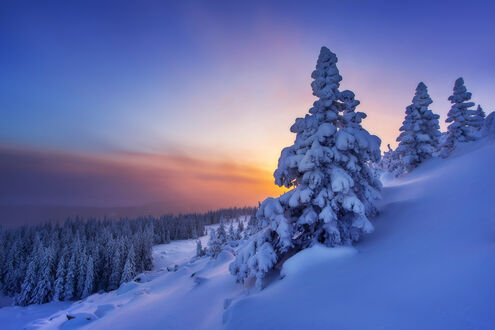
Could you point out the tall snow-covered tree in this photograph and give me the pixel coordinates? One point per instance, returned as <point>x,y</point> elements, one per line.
<point>88,278</point>
<point>332,189</point>
<point>29,284</point>
<point>44,288</point>
<point>129,268</point>
<point>114,281</point>
<point>459,117</point>
<point>70,278</point>
<point>60,280</point>
<point>420,132</point>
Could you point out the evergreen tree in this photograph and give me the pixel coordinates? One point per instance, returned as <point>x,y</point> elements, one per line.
<point>240,227</point>
<point>27,288</point>
<point>114,281</point>
<point>60,280</point>
<point>459,117</point>
<point>327,168</point>
<point>214,244</point>
<point>89,278</point>
<point>81,261</point>
<point>199,249</point>
<point>477,119</point>
<point>420,131</point>
<point>70,279</point>
<point>129,268</point>
<point>231,234</point>
<point>44,288</point>
<point>221,234</point>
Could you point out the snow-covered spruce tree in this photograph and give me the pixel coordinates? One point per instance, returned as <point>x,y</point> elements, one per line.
<point>116,275</point>
<point>129,271</point>
<point>240,228</point>
<point>231,232</point>
<point>477,120</point>
<point>60,280</point>
<point>459,117</point>
<point>199,249</point>
<point>489,126</point>
<point>420,132</point>
<point>44,289</point>
<point>333,189</point>
<point>27,288</point>
<point>221,233</point>
<point>214,244</point>
<point>89,278</point>
<point>70,279</point>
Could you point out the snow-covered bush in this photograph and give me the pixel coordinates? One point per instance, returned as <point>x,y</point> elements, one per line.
<point>464,123</point>
<point>419,135</point>
<point>214,244</point>
<point>327,167</point>
<point>391,163</point>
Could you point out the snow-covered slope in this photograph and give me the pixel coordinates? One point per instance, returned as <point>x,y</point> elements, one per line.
<point>428,265</point>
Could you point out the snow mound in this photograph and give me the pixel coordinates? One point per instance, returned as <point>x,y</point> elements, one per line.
<point>313,257</point>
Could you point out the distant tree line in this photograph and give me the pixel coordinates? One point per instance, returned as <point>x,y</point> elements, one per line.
<point>78,257</point>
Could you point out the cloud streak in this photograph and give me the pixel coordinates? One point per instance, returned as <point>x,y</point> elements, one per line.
<point>132,183</point>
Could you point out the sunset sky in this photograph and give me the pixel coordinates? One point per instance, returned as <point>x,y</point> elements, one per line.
<point>185,105</point>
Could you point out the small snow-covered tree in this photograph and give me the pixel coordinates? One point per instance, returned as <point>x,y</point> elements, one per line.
<point>231,233</point>
<point>477,120</point>
<point>459,117</point>
<point>240,228</point>
<point>214,244</point>
<point>327,169</point>
<point>420,132</point>
<point>199,249</point>
<point>221,233</point>
<point>255,259</point>
<point>129,268</point>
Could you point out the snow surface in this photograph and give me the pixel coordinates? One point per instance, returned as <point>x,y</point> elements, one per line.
<point>429,264</point>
